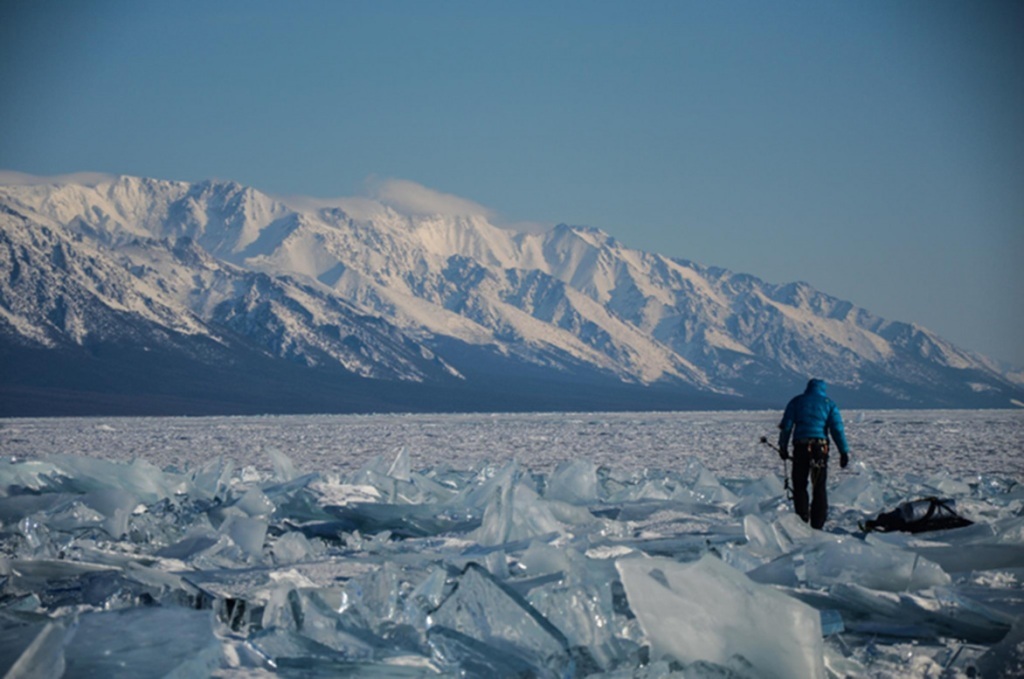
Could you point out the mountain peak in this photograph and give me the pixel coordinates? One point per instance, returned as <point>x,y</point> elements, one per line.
<point>423,295</point>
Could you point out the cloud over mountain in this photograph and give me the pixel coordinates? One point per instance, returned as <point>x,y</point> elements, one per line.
<point>415,199</point>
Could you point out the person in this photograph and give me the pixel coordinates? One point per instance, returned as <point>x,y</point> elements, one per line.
<point>811,418</point>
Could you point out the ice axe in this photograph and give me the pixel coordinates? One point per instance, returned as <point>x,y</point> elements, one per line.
<point>785,467</point>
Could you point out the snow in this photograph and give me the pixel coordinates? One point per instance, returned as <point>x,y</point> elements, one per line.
<point>26,328</point>
<point>839,335</point>
<point>437,267</point>
<point>561,545</point>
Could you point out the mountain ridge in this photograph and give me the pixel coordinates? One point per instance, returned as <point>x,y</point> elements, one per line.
<point>386,295</point>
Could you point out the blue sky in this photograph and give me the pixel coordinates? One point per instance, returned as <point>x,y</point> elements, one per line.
<point>873,148</point>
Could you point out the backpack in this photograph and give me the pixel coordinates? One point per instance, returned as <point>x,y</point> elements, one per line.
<point>918,516</point>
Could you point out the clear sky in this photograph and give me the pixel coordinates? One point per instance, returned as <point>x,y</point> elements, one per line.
<point>873,148</point>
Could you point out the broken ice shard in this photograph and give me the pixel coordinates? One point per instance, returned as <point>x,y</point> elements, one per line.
<point>708,611</point>
<point>835,560</point>
<point>153,641</point>
<point>484,609</point>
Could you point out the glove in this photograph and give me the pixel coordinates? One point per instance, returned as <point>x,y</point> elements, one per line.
<point>783,453</point>
<point>844,459</point>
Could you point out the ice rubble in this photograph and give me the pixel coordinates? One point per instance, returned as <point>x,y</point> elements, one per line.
<point>111,569</point>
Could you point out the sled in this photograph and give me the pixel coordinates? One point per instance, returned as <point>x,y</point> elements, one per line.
<point>918,516</point>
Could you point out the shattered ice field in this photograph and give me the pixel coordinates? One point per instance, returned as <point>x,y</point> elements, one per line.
<point>547,545</point>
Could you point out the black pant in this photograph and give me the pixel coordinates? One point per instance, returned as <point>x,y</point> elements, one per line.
<point>810,461</point>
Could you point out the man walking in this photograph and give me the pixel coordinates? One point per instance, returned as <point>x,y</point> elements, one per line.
<point>811,418</point>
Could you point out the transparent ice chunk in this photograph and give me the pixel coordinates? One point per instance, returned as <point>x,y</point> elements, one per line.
<point>469,657</point>
<point>877,566</point>
<point>948,486</point>
<point>759,496</point>
<point>515,512</point>
<point>540,558</point>
<point>709,611</point>
<point>402,520</point>
<point>584,612</point>
<point>763,488</point>
<point>16,507</point>
<point>139,477</point>
<point>396,483</point>
<point>831,622</point>
<point>294,654</point>
<point>255,503</point>
<point>482,608</point>
<point>963,550</point>
<point>710,490</point>
<point>927,614</point>
<point>195,542</point>
<point>293,547</point>
<point>574,482</point>
<point>154,641</point>
<point>284,468</point>
<point>32,646</point>
<point>376,599</point>
<point>762,540</point>
<point>308,613</point>
<point>246,532</point>
<point>73,517</point>
<point>858,492</point>
<point>116,506</point>
<point>401,469</point>
<point>211,479</point>
<point>1005,659</point>
<point>335,492</point>
<point>54,580</point>
<point>430,592</point>
<point>479,490</point>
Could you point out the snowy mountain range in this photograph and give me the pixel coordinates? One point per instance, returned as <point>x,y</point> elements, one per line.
<point>122,294</point>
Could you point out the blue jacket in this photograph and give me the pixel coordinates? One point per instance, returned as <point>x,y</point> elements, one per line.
<point>812,415</point>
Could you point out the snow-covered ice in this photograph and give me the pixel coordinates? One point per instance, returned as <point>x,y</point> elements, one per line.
<point>605,545</point>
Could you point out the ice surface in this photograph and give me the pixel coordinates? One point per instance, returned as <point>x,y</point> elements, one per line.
<point>583,559</point>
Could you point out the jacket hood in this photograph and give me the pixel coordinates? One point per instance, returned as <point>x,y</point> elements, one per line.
<point>816,387</point>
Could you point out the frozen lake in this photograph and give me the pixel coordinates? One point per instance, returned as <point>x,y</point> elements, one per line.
<point>602,545</point>
<point>959,442</point>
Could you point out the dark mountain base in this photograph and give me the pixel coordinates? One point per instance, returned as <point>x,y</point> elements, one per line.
<point>115,379</point>
<point>125,380</point>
